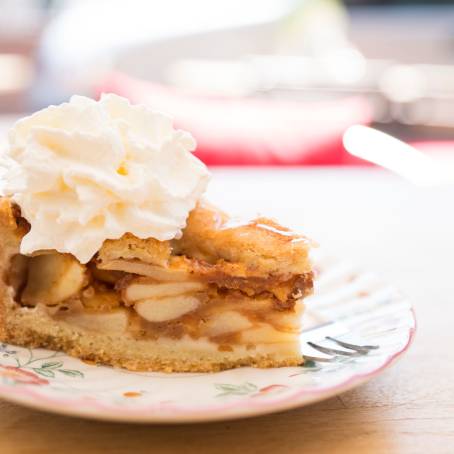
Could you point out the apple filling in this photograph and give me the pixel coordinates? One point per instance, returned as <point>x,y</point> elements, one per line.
<point>183,297</point>
<point>231,284</point>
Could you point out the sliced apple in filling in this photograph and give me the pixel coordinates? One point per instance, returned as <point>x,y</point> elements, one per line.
<point>53,278</point>
<point>176,272</point>
<point>226,322</point>
<point>114,322</point>
<point>143,288</point>
<point>158,310</point>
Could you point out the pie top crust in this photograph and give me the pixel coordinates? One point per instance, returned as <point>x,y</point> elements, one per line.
<point>257,248</point>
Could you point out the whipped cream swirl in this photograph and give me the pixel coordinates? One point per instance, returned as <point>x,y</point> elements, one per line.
<point>86,171</point>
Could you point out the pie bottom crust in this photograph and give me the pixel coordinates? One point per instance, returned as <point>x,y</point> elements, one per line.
<point>35,328</point>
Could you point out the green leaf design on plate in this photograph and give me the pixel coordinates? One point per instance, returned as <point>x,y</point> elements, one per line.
<point>44,372</point>
<point>235,390</point>
<point>52,365</point>
<point>71,373</point>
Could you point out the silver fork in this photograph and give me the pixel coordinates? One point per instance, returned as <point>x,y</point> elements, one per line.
<point>352,350</point>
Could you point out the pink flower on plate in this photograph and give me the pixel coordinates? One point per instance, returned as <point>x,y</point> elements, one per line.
<point>21,376</point>
<point>271,389</point>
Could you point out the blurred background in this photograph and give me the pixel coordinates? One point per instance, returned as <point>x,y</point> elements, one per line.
<point>263,82</point>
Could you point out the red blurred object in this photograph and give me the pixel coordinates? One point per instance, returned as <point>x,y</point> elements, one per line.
<point>251,131</point>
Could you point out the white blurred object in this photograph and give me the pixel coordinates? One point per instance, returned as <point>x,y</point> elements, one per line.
<point>259,73</point>
<point>85,38</point>
<point>393,154</point>
<point>20,17</point>
<point>95,27</point>
<point>144,38</point>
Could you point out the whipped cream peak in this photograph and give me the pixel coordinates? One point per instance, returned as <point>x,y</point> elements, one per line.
<point>86,171</point>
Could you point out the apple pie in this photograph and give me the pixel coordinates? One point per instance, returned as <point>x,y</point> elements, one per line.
<point>225,294</point>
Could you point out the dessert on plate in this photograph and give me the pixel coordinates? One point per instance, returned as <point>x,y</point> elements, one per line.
<point>109,252</point>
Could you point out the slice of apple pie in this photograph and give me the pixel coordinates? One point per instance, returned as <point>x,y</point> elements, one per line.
<point>108,253</point>
<point>225,294</point>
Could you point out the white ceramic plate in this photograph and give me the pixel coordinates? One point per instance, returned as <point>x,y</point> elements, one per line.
<point>349,305</point>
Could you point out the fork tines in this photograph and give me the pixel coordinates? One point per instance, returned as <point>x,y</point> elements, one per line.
<point>352,350</point>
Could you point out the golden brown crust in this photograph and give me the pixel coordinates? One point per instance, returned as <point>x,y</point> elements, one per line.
<point>10,236</point>
<point>7,214</point>
<point>262,246</point>
<point>257,248</point>
<point>130,247</point>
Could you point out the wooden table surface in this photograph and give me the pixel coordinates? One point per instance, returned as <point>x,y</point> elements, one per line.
<point>403,232</point>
